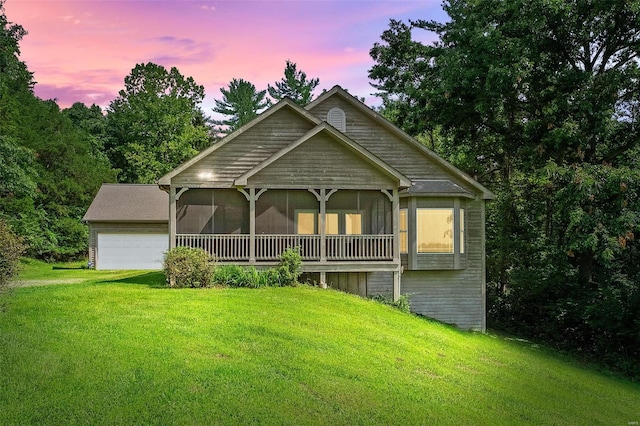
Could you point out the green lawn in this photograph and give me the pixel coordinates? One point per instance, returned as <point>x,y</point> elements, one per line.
<point>119,348</point>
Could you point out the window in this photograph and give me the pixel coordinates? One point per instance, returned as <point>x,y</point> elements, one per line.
<point>306,223</point>
<point>336,223</point>
<point>436,230</point>
<point>404,231</point>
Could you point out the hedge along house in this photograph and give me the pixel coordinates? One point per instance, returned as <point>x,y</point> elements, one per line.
<point>372,211</point>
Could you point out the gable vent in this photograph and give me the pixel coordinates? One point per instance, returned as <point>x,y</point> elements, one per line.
<point>336,118</point>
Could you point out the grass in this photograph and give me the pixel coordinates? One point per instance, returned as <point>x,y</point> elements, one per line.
<point>120,348</point>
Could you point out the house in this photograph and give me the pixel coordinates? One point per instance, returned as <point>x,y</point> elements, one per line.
<point>372,211</point>
<point>128,227</point>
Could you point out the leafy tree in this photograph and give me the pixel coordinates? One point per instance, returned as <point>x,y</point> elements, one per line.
<point>241,102</point>
<point>539,100</point>
<point>92,122</point>
<point>294,85</point>
<point>11,248</point>
<point>14,75</point>
<point>155,123</point>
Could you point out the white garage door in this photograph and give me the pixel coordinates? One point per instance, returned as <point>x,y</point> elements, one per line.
<point>131,251</point>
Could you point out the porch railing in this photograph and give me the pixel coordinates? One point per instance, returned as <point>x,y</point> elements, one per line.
<point>270,247</point>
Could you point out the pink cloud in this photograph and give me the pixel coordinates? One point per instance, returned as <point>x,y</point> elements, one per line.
<point>82,50</point>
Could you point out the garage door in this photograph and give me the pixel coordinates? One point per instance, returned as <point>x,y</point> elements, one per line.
<point>131,251</point>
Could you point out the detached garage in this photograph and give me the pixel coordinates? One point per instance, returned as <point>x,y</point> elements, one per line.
<point>128,227</point>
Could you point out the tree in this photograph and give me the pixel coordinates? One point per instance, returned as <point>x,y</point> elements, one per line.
<point>155,123</point>
<point>11,248</point>
<point>294,85</point>
<point>241,102</point>
<point>539,100</point>
<point>14,75</point>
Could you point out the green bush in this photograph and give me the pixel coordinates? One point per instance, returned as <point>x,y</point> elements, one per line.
<point>290,267</point>
<point>401,304</point>
<point>188,267</point>
<point>286,274</point>
<point>11,248</point>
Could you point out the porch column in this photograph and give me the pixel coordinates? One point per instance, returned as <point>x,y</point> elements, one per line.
<point>172,217</point>
<point>395,208</point>
<point>252,224</point>
<point>321,224</point>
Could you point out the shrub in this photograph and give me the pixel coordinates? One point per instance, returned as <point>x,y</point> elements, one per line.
<point>11,248</point>
<point>290,267</point>
<point>188,267</point>
<point>401,304</point>
<point>286,274</point>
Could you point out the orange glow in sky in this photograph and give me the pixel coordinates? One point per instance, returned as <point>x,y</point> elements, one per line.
<point>81,50</point>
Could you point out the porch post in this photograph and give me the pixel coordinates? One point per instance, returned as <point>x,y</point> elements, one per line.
<point>172,217</point>
<point>395,206</point>
<point>252,224</point>
<point>321,223</point>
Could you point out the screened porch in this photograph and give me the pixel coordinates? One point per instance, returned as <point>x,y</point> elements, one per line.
<point>259,225</point>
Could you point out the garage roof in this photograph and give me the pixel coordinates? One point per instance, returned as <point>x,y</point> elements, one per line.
<point>129,203</point>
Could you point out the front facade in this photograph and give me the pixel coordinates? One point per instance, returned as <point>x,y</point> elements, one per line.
<point>371,210</point>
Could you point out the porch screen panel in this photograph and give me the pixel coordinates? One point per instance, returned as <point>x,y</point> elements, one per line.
<point>194,212</point>
<point>297,201</point>
<point>231,212</point>
<point>271,213</point>
<point>379,214</point>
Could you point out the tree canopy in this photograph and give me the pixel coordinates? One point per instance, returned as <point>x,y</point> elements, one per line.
<point>294,85</point>
<point>241,102</point>
<point>155,123</point>
<point>539,100</point>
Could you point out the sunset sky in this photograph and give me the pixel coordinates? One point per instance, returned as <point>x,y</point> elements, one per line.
<point>81,50</point>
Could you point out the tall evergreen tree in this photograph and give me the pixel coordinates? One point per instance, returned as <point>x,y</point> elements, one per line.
<point>241,102</point>
<point>294,85</point>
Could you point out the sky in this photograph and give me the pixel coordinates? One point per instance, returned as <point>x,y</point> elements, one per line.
<point>81,50</point>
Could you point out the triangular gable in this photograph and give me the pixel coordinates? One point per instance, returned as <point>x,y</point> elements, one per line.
<point>383,122</point>
<point>284,103</point>
<point>371,160</point>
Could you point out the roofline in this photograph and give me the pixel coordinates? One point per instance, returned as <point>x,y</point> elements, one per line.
<point>403,181</point>
<point>337,90</point>
<point>285,102</point>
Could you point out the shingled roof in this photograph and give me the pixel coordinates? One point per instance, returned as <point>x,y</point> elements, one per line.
<point>129,203</point>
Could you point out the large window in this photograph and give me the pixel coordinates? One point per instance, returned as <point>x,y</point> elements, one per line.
<point>435,230</point>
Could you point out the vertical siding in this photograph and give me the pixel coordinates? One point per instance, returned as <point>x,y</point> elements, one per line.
<point>349,282</point>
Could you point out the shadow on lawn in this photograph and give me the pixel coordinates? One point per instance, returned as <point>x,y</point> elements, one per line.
<point>151,279</point>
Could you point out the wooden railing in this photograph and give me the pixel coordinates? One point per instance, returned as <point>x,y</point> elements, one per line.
<point>270,247</point>
<point>359,247</point>
<point>223,247</point>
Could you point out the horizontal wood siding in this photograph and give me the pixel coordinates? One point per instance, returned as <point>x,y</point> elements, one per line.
<point>380,283</point>
<point>247,150</point>
<point>445,296</point>
<point>458,296</point>
<point>399,154</point>
<point>321,161</point>
<point>114,227</point>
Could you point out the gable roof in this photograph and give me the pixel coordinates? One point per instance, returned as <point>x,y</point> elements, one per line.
<point>367,156</point>
<point>284,103</point>
<point>383,122</point>
<point>128,203</point>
